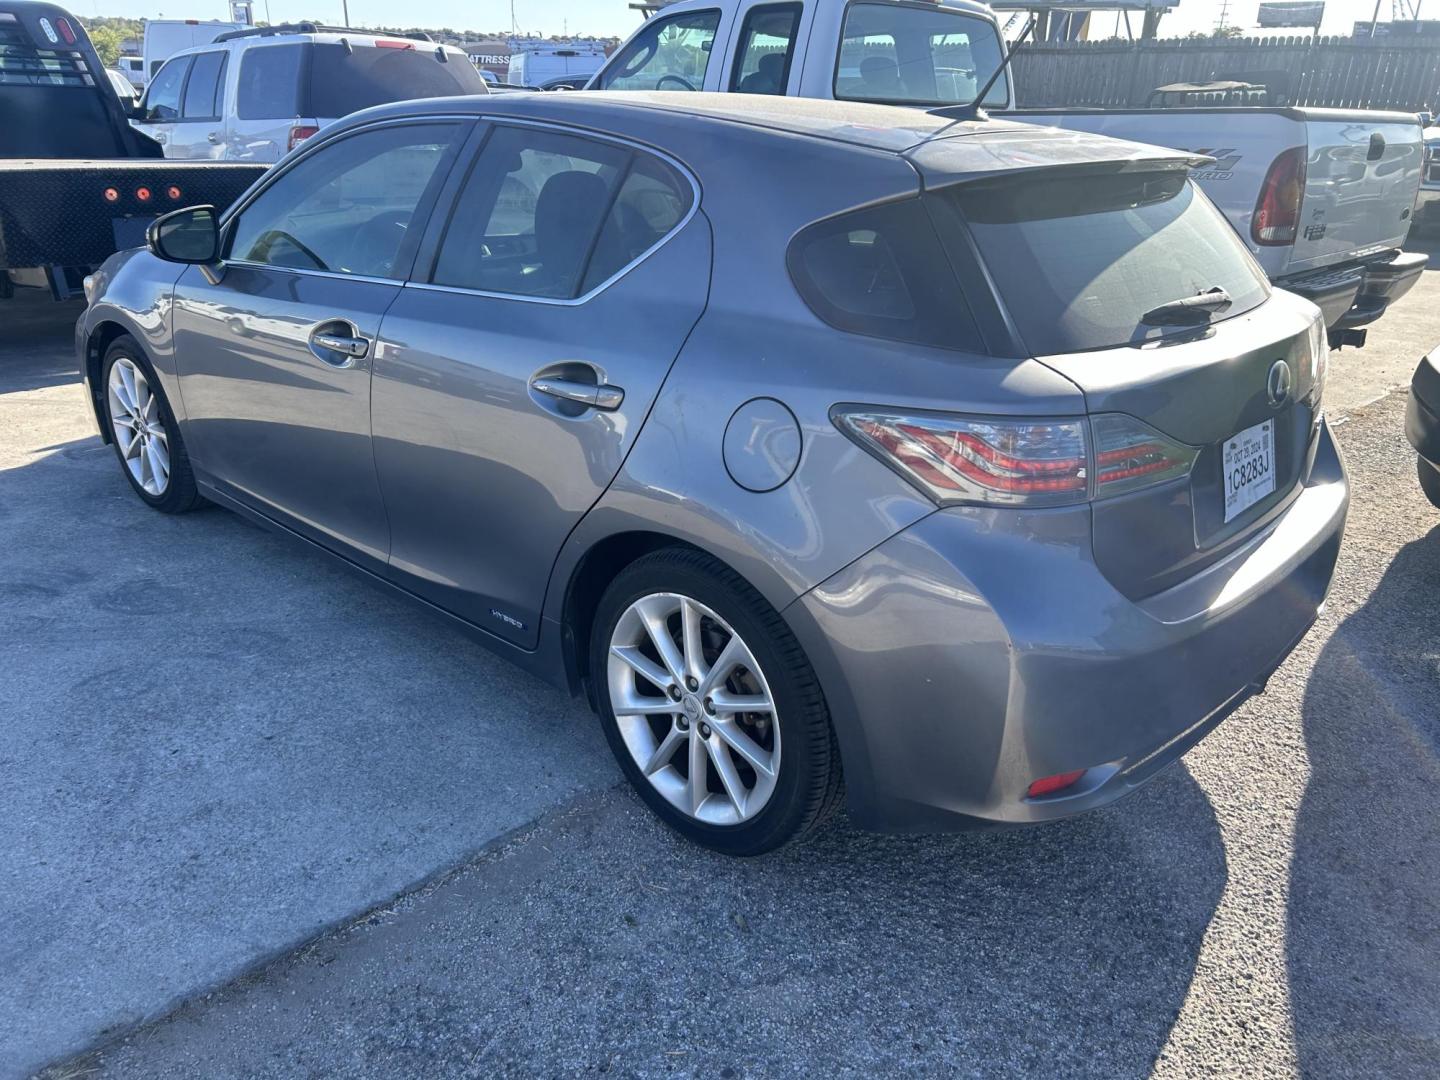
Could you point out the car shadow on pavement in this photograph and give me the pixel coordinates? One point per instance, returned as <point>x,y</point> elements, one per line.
<point>1363,940</point>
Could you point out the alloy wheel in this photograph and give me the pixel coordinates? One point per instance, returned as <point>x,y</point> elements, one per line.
<point>139,430</point>
<point>694,709</point>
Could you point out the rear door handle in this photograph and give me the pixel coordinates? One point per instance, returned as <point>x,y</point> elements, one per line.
<point>596,396</point>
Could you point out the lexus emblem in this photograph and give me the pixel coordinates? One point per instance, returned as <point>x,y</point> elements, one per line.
<point>1277,383</point>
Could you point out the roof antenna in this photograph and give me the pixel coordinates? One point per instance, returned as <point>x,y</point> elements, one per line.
<point>973,111</point>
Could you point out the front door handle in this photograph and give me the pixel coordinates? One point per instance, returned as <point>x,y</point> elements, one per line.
<point>339,344</point>
<point>596,396</point>
<point>214,136</point>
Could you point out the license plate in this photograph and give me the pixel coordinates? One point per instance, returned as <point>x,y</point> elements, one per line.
<point>1249,468</point>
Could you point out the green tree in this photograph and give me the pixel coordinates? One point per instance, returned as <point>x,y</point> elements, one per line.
<point>107,42</point>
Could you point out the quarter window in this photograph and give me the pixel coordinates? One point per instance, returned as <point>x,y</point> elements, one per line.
<point>668,54</point>
<point>269,83</point>
<point>882,272</point>
<point>162,99</point>
<point>917,54</point>
<point>767,46</point>
<point>205,88</point>
<point>348,207</point>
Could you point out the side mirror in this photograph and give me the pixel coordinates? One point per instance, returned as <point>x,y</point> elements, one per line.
<point>190,236</point>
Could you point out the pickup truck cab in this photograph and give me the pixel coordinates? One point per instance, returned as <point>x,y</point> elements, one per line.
<point>1322,197</point>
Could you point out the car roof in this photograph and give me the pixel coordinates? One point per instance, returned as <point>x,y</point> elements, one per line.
<point>941,147</point>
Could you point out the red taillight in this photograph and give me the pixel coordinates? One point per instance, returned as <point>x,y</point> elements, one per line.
<point>67,32</point>
<point>299,133</point>
<point>143,194</point>
<point>173,193</point>
<point>1006,461</point>
<point>111,194</point>
<point>959,459</point>
<point>1277,212</point>
<point>1130,455</point>
<point>385,44</point>
<point>1049,785</point>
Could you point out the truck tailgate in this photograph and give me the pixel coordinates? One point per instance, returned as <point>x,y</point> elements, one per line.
<point>1361,177</point>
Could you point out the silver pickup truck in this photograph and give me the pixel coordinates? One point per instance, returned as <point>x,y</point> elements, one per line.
<point>1322,197</point>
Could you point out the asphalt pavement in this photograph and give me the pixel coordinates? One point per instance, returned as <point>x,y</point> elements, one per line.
<point>263,820</point>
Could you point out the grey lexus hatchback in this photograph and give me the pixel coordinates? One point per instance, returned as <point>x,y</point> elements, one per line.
<point>973,462</point>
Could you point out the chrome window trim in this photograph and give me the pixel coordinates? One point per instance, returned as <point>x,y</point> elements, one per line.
<point>593,136</point>
<point>336,275</point>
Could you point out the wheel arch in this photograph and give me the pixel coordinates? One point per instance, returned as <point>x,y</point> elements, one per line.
<point>98,340</point>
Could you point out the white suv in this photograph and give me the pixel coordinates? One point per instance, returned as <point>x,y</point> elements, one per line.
<point>253,94</point>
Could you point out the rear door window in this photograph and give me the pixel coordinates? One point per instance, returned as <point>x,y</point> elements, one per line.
<point>269,83</point>
<point>530,214</point>
<point>668,54</point>
<point>1079,260</point>
<point>766,49</point>
<point>348,207</point>
<point>917,54</point>
<point>883,272</point>
<point>162,98</point>
<point>205,87</point>
<point>344,80</point>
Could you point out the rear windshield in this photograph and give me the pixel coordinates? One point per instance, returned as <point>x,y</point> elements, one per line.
<point>1079,259</point>
<point>920,55</point>
<point>345,80</point>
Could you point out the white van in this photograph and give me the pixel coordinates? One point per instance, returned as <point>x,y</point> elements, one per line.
<point>166,37</point>
<point>536,67</point>
<point>133,68</point>
<point>256,93</point>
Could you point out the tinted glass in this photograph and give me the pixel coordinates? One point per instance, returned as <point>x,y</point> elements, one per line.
<point>205,88</point>
<point>347,207</point>
<point>911,54</point>
<point>882,272</point>
<point>668,54</point>
<point>1078,260</point>
<point>653,199</point>
<point>162,97</point>
<point>767,45</point>
<point>343,82</point>
<point>530,214</point>
<point>269,84</point>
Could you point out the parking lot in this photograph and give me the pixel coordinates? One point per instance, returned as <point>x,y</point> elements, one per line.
<point>263,819</point>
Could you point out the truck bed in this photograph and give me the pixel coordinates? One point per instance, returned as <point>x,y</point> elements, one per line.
<point>57,213</point>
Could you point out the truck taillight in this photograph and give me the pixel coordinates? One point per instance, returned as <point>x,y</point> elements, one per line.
<point>1026,462</point>
<point>299,133</point>
<point>958,459</point>
<point>1277,211</point>
<point>67,32</point>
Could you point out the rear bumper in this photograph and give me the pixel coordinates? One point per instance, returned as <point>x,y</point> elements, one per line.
<point>1422,414</point>
<point>978,651</point>
<point>1356,295</point>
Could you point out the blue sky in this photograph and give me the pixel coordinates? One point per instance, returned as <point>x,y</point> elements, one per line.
<point>603,17</point>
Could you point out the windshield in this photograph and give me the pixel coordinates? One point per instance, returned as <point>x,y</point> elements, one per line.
<point>345,80</point>
<point>918,55</point>
<point>1079,261</point>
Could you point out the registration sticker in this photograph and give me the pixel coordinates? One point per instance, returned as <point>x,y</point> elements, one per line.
<point>1249,468</point>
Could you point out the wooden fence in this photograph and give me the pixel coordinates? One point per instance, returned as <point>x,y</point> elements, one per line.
<point>1329,71</point>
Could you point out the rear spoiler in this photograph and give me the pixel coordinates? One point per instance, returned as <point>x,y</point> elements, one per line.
<point>981,152</point>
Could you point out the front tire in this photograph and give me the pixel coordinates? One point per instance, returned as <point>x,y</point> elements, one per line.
<point>710,706</point>
<point>144,432</point>
<point>1429,480</point>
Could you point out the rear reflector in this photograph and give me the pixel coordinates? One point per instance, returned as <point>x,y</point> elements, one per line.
<point>143,194</point>
<point>300,133</point>
<point>1049,785</point>
<point>1277,211</point>
<point>173,193</point>
<point>959,459</point>
<point>111,194</point>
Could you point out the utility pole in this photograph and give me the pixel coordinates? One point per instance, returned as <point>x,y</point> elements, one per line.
<point>345,8</point>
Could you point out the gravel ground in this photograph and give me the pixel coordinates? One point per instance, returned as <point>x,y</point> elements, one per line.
<point>1268,908</point>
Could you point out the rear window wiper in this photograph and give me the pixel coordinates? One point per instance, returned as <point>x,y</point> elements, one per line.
<point>1189,309</point>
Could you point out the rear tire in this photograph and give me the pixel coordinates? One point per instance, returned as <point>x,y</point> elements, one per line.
<point>144,432</point>
<point>1429,480</point>
<point>708,681</point>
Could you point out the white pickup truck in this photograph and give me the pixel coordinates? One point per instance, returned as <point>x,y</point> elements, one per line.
<point>1323,197</point>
